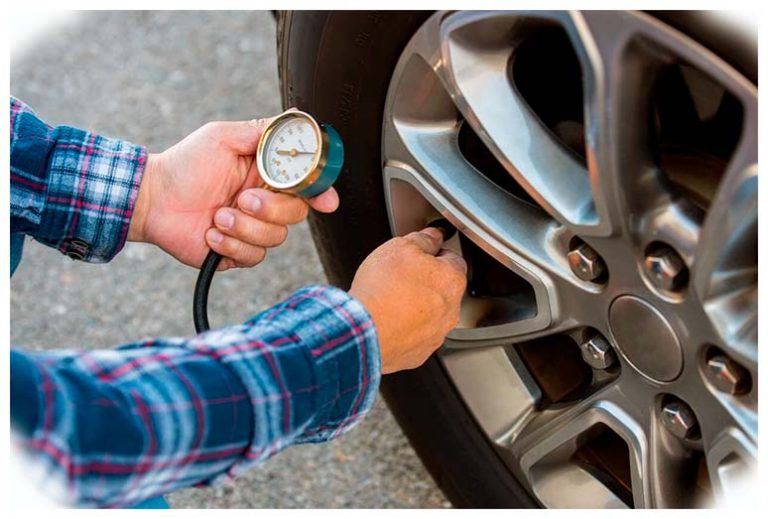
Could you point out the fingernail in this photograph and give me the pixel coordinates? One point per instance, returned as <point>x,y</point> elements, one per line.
<point>252,202</point>
<point>225,219</point>
<point>215,236</point>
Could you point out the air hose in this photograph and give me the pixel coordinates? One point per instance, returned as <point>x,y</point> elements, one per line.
<point>202,286</point>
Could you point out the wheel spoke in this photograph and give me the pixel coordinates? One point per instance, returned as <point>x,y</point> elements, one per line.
<point>724,271</point>
<point>618,78</point>
<point>732,466</point>
<point>479,375</point>
<point>550,450</point>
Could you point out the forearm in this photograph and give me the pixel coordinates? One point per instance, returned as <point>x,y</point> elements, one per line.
<point>119,426</point>
<point>71,189</point>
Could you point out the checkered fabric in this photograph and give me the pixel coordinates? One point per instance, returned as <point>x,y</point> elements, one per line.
<point>71,189</point>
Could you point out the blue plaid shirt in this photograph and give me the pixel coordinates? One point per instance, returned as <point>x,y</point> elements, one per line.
<point>112,428</point>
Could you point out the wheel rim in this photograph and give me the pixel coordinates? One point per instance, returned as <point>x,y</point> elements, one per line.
<point>617,386</point>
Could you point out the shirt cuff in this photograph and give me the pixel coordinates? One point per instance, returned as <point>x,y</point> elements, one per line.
<point>92,186</point>
<point>319,347</point>
<point>347,361</point>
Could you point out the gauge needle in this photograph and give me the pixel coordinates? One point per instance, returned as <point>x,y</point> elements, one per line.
<point>293,152</point>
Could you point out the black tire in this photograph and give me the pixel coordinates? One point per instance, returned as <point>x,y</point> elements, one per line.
<point>337,66</point>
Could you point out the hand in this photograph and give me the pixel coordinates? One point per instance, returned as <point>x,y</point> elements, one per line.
<point>201,194</point>
<point>413,290</point>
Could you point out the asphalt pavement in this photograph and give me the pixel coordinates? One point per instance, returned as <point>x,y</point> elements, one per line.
<point>151,78</point>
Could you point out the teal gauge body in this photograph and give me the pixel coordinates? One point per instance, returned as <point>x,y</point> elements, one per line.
<point>299,156</point>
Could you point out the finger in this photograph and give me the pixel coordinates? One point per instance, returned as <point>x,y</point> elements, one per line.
<point>226,264</point>
<point>454,260</point>
<point>325,202</point>
<point>279,208</point>
<point>241,253</point>
<point>248,229</point>
<point>241,136</point>
<point>428,240</point>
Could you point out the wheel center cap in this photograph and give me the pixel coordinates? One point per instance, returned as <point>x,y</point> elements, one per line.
<point>645,338</point>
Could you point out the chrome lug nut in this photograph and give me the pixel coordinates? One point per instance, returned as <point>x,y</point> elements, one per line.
<point>728,376</point>
<point>679,419</point>
<point>586,263</point>
<point>598,353</point>
<point>665,268</point>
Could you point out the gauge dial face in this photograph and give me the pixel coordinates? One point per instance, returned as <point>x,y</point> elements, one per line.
<point>291,152</point>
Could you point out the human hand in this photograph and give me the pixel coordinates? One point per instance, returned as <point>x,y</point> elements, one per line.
<point>413,290</point>
<point>201,193</point>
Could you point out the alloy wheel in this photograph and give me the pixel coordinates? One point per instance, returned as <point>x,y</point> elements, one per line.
<point>602,170</point>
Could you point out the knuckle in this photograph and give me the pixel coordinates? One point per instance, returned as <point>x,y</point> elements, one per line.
<point>453,272</point>
<point>239,249</point>
<point>261,254</point>
<point>461,265</point>
<point>302,210</point>
<point>227,247</point>
<point>398,243</point>
<point>212,129</point>
<point>278,236</point>
<point>418,237</point>
<point>269,212</point>
<point>459,278</point>
<point>283,235</point>
<point>252,256</point>
<point>436,300</point>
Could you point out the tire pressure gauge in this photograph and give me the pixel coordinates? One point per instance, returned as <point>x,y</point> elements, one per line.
<point>295,155</point>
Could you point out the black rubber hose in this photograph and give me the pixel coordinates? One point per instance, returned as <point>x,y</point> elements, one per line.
<point>203,285</point>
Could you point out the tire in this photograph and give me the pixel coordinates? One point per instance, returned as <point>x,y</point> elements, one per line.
<point>338,65</point>
<point>324,63</point>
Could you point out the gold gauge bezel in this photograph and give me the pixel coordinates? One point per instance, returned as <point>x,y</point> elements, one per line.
<point>317,165</point>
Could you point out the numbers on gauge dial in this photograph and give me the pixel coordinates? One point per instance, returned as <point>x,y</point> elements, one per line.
<point>291,151</point>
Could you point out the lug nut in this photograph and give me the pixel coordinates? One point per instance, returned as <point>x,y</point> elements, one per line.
<point>728,376</point>
<point>679,419</point>
<point>666,268</point>
<point>586,263</point>
<point>598,353</point>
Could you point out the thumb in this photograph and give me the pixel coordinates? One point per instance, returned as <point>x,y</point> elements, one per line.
<point>428,240</point>
<point>241,136</point>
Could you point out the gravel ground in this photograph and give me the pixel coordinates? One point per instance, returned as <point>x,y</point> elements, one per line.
<point>152,78</point>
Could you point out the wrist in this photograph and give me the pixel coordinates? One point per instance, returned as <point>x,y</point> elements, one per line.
<point>369,302</point>
<point>137,231</point>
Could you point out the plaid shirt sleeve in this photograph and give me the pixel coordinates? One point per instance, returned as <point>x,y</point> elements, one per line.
<point>111,428</point>
<point>71,189</point>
